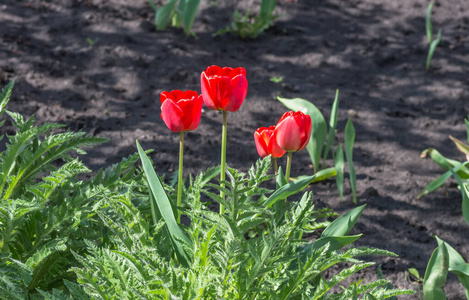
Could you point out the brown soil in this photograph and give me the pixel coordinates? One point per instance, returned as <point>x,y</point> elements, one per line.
<point>373,51</point>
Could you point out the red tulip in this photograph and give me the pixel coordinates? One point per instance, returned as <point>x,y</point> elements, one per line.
<point>224,88</point>
<point>293,131</point>
<point>265,144</point>
<point>181,111</point>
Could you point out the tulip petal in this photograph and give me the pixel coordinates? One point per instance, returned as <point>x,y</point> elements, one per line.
<point>236,93</point>
<point>288,135</point>
<point>261,145</point>
<point>208,92</point>
<point>172,116</point>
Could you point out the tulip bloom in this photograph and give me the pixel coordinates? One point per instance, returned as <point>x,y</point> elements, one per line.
<point>224,88</point>
<point>181,111</point>
<point>293,131</point>
<point>265,144</point>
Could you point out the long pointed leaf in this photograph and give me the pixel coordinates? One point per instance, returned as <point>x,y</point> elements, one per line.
<point>343,224</point>
<point>339,167</point>
<point>465,196</point>
<point>332,126</point>
<point>164,207</point>
<point>288,190</point>
<point>349,139</point>
<point>191,8</point>
<point>435,274</point>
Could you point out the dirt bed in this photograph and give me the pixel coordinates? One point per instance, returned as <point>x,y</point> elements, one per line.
<point>373,51</point>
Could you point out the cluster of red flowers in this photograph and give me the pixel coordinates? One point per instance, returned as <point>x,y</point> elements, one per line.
<point>225,89</point>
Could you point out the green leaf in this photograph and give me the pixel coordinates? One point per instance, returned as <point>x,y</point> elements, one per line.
<point>428,23</point>
<point>324,174</point>
<point>339,167</point>
<point>267,8</point>
<point>332,126</point>
<point>336,242</point>
<point>164,14</point>
<point>343,224</point>
<point>188,15</point>
<point>435,274</point>
<point>445,163</point>
<point>288,190</point>
<point>349,139</point>
<point>164,207</point>
<point>318,125</point>
<point>281,180</point>
<point>456,264</point>
<point>414,272</point>
<point>5,95</point>
<point>432,48</point>
<point>465,196</point>
<point>435,184</point>
<point>467,128</point>
<point>461,146</point>
<point>153,5</point>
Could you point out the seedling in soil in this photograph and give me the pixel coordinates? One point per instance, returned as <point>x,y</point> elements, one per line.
<point>431,43</point>
<point>180,13</point>
<point>92,42</point>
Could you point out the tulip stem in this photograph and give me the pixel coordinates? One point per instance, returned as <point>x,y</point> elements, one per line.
<point>275,166</point>
<point>287,173</point>
<point>181,153</point>
<point>223,160</point>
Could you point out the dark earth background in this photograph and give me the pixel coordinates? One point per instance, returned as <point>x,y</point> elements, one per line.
<point>373,51</point>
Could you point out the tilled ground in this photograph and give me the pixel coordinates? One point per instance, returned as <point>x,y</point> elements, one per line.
<point>373,51</point>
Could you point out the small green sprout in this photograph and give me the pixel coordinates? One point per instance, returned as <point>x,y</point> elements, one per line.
<point>432,43</point>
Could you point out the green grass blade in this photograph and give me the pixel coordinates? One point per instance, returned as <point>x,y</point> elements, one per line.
<point>318,125</point>
<point>428,23</point>
<point>435,184</point>
<point>164,206</point>
<point>191,8</point>
<point>343,224</point>
<point>467,129</point>
<point>349,139</point>
<point>435,274</point>
<point>332,127</point>
<point>339,167</point>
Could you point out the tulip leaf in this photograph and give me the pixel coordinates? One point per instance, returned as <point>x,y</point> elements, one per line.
<point>465,196</point>
<point>435,184</point>
<point>461,146</point>
<point>456,264</point>
<point>288,190</point>
<point>349,139</point>
<point>318,127</point>
<point>332,127</point>
<point>343,224</point>
<point>435,274</point>
<point>467,126</point>
<point>444,162</point>
<point>188,14</point>
<point>164,14</point>
<point>281,181</point>
<point>339,167</point>
<point>165,208</point>
<point>336,242</point>
<point>324,174</point>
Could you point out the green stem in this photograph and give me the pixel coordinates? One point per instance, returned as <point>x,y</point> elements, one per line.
<point>223,159</point>
<point>275,166</point>
<point>287,173</point>
<point>181,154</point>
